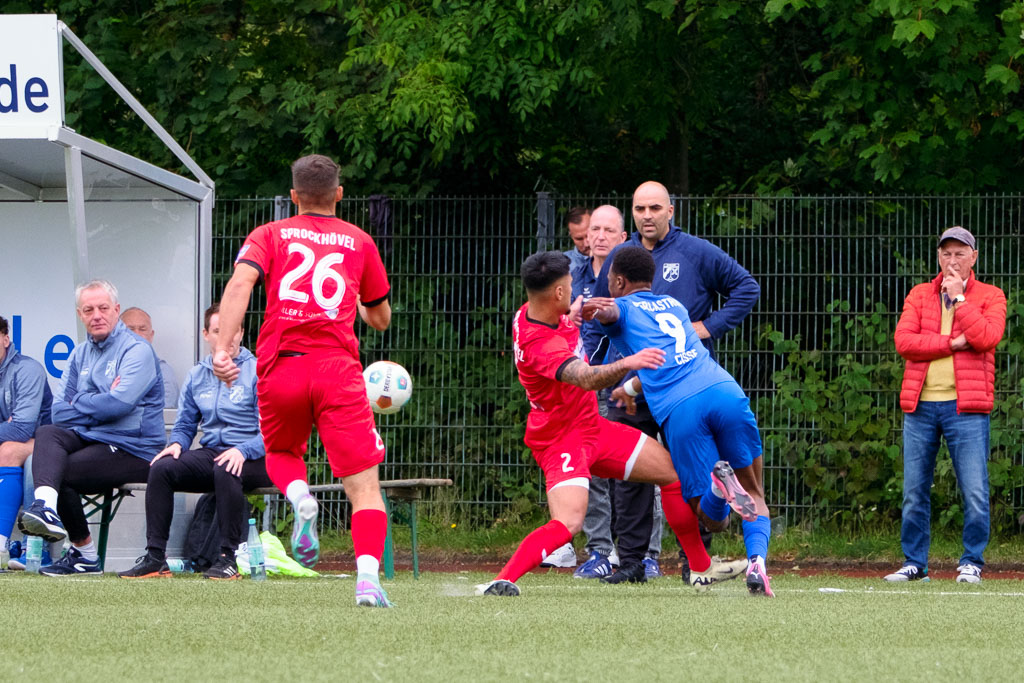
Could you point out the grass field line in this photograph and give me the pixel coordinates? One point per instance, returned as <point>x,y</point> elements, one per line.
<point>872,591</point>
<point>467,589</point>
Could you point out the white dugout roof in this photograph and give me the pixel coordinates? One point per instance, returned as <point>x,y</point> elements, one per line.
<point>73,209</point>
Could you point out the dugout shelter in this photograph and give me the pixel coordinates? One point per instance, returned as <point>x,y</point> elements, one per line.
<point>73,209</point>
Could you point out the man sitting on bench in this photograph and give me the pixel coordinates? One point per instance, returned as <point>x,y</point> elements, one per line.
<point>229,462</point>
<point>108,424</point>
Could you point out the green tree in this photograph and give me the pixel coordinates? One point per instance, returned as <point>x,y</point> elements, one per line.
<point>457,96</point>
<point>919,96</point>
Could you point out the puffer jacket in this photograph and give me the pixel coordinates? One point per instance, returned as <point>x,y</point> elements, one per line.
<point>981,318</point>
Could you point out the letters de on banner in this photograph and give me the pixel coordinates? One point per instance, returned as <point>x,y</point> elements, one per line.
<point>31,71</point>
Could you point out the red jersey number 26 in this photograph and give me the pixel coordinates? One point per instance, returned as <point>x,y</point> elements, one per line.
<point>323,273</point>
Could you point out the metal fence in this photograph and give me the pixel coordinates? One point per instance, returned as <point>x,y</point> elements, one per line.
<point>833,273</point>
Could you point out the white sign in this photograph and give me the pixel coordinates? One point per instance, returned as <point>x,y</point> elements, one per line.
<point>31,71</point>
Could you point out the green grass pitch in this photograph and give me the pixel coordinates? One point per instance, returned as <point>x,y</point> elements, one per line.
<point>560,629</point>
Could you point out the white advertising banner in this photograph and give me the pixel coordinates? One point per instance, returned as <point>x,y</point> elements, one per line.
<point>31,71</point>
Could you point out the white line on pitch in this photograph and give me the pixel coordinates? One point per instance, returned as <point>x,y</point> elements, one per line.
<point>872,591</point>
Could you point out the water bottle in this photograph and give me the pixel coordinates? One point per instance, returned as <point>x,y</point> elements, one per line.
<point>257,565</point>
<point>180,565</point>
<point>33,554</point>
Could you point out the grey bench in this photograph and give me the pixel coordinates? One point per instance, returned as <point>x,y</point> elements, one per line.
<point>407,491</point>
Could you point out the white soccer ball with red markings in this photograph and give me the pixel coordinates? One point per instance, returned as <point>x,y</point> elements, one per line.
<point>388,386</point>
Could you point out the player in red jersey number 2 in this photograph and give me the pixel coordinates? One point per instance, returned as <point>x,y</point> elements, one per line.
<point>318,272</point>
<point>570,440</point>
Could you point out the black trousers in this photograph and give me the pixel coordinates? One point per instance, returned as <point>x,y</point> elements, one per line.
<point>195,472</point>
<point>633,501</point>
<point>72,465</point>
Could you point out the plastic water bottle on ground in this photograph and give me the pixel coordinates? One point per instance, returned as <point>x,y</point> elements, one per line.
<point>33,554</point>
<point>180,565</point>
<point>254,546</point>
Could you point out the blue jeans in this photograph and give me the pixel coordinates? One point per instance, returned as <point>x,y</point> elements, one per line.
<point>967,437</point>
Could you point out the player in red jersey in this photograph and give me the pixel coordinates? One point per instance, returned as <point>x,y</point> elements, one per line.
<point>571,441</point>
<point>318,272</point>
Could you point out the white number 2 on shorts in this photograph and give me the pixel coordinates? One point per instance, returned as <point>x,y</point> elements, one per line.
<point>566,467</point>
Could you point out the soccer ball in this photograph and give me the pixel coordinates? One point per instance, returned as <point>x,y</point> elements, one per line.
<point>388,386</point>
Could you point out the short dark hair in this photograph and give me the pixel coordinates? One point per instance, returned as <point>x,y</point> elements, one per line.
<point>635,264</point>
<point>315,178</point>
<point>576,215</point>
<point>543,269</point>
<point>3,325</point>
<point>215,308</point>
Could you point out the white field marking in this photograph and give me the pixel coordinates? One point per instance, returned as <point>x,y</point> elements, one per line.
<point>727,588</point>
<point>278,585</point>
<point>872,591</point>
<point>454,590</point>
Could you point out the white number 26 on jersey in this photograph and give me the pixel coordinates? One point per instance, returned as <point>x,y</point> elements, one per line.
<point>322,273</point>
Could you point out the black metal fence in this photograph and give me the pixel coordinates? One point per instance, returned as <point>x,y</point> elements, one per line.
<point>815,356</point>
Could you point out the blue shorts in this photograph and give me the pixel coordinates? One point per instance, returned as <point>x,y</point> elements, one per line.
<point>715,424</point>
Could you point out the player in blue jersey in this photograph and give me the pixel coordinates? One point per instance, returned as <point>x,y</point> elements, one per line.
<point>703,412</point>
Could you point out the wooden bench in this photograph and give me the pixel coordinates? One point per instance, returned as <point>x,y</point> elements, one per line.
<point>406,491</point>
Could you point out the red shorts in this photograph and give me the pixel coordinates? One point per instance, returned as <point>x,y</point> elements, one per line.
<point>326,390</point>
<point>576,458</point>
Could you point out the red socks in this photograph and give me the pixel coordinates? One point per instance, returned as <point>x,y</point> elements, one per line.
<point>684,523</point>
<point>283,468</point>
<point>369,527</point>
<point>534,548</point>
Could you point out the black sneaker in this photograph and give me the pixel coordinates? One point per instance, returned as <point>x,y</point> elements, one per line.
<point>39,520</point>
<point>632,573</point>
<point>223,569</point>
<point>147,567</point>
<point>498,587</point>
<point>72,564</point>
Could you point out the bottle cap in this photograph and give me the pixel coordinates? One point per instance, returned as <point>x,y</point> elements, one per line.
<point>252,520</point>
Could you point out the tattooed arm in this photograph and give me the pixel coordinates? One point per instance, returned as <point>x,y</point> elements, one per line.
<point>591,377</point>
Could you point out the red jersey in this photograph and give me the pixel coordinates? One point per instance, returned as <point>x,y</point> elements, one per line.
<point>556,408</point>
<point>314,269</point>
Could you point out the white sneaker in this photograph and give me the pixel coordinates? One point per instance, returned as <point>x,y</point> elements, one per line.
<point>968,573</point>
<point>613,559</point>
<point>909,572</point>
<point>720,570</point>
<point>561,557</point>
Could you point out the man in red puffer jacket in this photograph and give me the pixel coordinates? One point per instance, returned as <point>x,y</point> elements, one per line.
<point>948,333</point>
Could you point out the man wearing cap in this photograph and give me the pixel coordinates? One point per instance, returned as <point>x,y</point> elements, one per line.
<point>947,334</point>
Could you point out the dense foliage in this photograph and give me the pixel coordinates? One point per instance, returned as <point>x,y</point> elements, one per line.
<point>587,96</point>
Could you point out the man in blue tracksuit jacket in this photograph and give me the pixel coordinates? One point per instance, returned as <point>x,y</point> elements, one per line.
<point>229,461</point>
<point>694,272</point>
<point>24,405</point>
<point>107,425</point>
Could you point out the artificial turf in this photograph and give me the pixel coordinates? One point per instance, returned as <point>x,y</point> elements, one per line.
<point>185,628</point>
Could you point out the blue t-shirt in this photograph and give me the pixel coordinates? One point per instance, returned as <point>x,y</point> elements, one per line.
<point>658,321</point>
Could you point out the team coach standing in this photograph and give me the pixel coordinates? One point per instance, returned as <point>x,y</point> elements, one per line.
<point>947,334</point>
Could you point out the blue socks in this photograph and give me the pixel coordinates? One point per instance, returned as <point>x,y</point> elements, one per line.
<point>10,498</point>
<point>713,505</point>
<point>756,535</point>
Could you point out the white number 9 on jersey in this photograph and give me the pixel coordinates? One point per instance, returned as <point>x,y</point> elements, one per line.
<point>322,273</point>
<point>673,327</point>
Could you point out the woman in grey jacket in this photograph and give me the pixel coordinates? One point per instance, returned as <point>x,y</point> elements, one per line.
<point>229,462</point>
